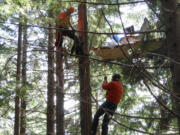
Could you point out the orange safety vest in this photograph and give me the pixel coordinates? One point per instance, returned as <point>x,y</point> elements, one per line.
<point>63,20</point>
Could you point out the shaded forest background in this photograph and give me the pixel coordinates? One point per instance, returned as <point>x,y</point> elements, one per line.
<point>48,91</point>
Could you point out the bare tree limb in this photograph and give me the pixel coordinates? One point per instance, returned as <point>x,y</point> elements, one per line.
<point>100,3</point>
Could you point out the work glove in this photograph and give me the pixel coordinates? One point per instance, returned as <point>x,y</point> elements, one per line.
<point>105,78</point>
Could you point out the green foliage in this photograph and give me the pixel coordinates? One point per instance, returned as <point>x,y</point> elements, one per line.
<point>136,99</point>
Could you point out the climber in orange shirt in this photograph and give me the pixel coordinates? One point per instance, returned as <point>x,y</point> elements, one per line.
<point>114,91</point>
<point>63,23</point>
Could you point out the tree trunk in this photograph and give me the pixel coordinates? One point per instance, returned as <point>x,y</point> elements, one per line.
<point>50,85</point>
<point>171,11</point>
<point>59,93</point>
<point>176,82</point>
<point>84,76</point>
<point>18,75</point>
<point>24,83</point>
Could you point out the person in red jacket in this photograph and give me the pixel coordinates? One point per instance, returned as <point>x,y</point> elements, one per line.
<point>63,23</point>
<point>114,91</point>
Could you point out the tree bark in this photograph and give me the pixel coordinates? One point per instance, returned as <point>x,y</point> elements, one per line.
<point>18,76</point>
<point>51,83</point>
<point>171,11</point>
<point>84,76</point>
<point>176,79</point>
<point>59,92</point>
<point>24,83</point>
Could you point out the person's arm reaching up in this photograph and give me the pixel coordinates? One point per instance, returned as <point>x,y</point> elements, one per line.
<point>106,85</point>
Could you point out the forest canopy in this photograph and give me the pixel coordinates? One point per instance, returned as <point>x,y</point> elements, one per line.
<point>47,89</point>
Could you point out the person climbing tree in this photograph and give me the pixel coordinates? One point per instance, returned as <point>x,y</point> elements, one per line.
<point>63,23</point>
<point>113,96</point>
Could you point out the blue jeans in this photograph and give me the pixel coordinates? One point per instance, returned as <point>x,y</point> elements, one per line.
<point>106,105</point>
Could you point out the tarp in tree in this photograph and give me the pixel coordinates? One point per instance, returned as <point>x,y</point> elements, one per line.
<point>125,50</point>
